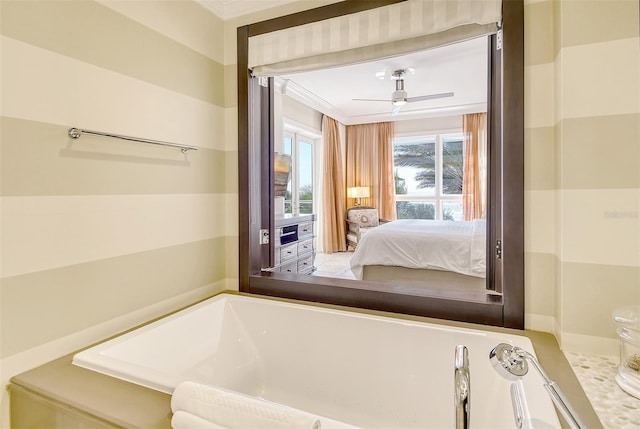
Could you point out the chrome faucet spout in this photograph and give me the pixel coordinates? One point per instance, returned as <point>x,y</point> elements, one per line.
<point>462,383</point>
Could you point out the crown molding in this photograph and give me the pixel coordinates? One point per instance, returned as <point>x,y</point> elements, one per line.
<point>304,96</point>
<point>418,113</point>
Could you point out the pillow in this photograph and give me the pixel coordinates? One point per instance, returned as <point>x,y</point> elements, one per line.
<point>365,218</point>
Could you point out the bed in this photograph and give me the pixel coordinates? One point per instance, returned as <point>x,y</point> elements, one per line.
<point>437,253</point>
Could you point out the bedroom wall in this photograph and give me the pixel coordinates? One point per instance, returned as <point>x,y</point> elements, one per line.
<point>99,235</point>
<point>582,168</point>
<point>301,113</point>
<point>440,123</point>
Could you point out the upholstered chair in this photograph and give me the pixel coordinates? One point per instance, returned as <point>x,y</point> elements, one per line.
<point>360,220</point>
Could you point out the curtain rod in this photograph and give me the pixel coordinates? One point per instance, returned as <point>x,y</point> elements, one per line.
<point>75,133</point>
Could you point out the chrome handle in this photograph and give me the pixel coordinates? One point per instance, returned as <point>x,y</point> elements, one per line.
<point>563,406</point>
<point>516,402</point>
<point>462,395</point>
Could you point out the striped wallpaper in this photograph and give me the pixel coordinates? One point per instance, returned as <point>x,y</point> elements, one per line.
<point>99,235</point>
<point>582,168</point>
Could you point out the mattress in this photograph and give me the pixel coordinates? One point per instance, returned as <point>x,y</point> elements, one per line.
<point>456,246</point>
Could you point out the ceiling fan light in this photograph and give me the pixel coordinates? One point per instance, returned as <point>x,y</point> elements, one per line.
<point>399,97</point>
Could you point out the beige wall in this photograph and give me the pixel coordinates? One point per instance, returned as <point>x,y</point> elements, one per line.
<point>437,124</point>
<point>582,168</point>
<point>99,235</point>
<point>301,113</point>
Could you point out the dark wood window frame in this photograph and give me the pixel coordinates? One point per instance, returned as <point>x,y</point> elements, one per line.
<point>506,204</point>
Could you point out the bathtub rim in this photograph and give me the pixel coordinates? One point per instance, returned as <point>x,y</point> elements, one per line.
<point>135,364</point>
<point>91,358</point>
<point>126,404</point>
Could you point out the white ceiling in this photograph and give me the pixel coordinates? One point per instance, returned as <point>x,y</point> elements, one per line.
<point>460,68</point>
<point>228,9</point>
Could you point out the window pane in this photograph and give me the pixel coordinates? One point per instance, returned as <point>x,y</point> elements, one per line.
<point>288,204</point>
<point>415,167</point>
<point>452,210</point>
<point>415,210</point>
<point>287,145</point>
<point>452,168</point>
<point>305,172</point>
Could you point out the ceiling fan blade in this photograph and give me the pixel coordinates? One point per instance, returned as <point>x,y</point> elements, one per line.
<point>429,97</point>
<point>369,99</point>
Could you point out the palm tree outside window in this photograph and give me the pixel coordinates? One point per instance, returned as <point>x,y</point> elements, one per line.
<point>428,173</point>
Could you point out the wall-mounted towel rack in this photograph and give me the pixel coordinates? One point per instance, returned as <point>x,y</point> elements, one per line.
<point>75,133</point>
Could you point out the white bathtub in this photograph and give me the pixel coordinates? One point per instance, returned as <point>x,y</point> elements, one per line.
<point>363,370</point>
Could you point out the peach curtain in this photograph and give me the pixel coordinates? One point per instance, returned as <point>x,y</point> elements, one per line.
<point>474,184</point>
<point>359,159</point>
<point>333,196</point>
<point>386,193</point>
<point>370,164</point>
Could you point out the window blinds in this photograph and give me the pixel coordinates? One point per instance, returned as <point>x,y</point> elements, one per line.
<point>377,33</point>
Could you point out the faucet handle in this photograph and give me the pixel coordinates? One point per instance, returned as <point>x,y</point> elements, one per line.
<point>462,383</point>
<point>462,357</point>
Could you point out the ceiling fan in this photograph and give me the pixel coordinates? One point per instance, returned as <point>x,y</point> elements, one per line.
<point>399,96</point>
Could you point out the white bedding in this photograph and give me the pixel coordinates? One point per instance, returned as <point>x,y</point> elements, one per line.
<point>424,244</point>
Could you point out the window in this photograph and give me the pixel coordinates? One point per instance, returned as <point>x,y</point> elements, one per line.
<point>299,197</point>
<point>428,176</point>
<point>506,106</point>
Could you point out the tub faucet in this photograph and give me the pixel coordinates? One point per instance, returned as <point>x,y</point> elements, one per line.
<point>511,362</point>
<point>462,383</point>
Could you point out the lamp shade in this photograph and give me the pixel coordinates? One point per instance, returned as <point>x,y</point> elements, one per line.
<point>358,192</point>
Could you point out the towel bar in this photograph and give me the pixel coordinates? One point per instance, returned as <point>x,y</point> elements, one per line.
<point>75,133</point>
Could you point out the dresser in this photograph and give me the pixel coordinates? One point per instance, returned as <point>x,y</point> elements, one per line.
<point>294,251</point>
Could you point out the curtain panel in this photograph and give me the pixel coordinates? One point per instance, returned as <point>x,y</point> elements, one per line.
<point>474,182</point>
<point>385,31</point>
<point>370,164</point>
<point>333,196</point>
<point>386,184</point>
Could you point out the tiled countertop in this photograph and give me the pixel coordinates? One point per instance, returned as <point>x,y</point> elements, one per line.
<point>616,408</point>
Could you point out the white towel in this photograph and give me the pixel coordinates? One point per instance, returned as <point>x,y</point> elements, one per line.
<point>184,420</point>
<point>234,410</point>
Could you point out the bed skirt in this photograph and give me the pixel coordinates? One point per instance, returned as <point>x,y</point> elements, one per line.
<point>428,278</point>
